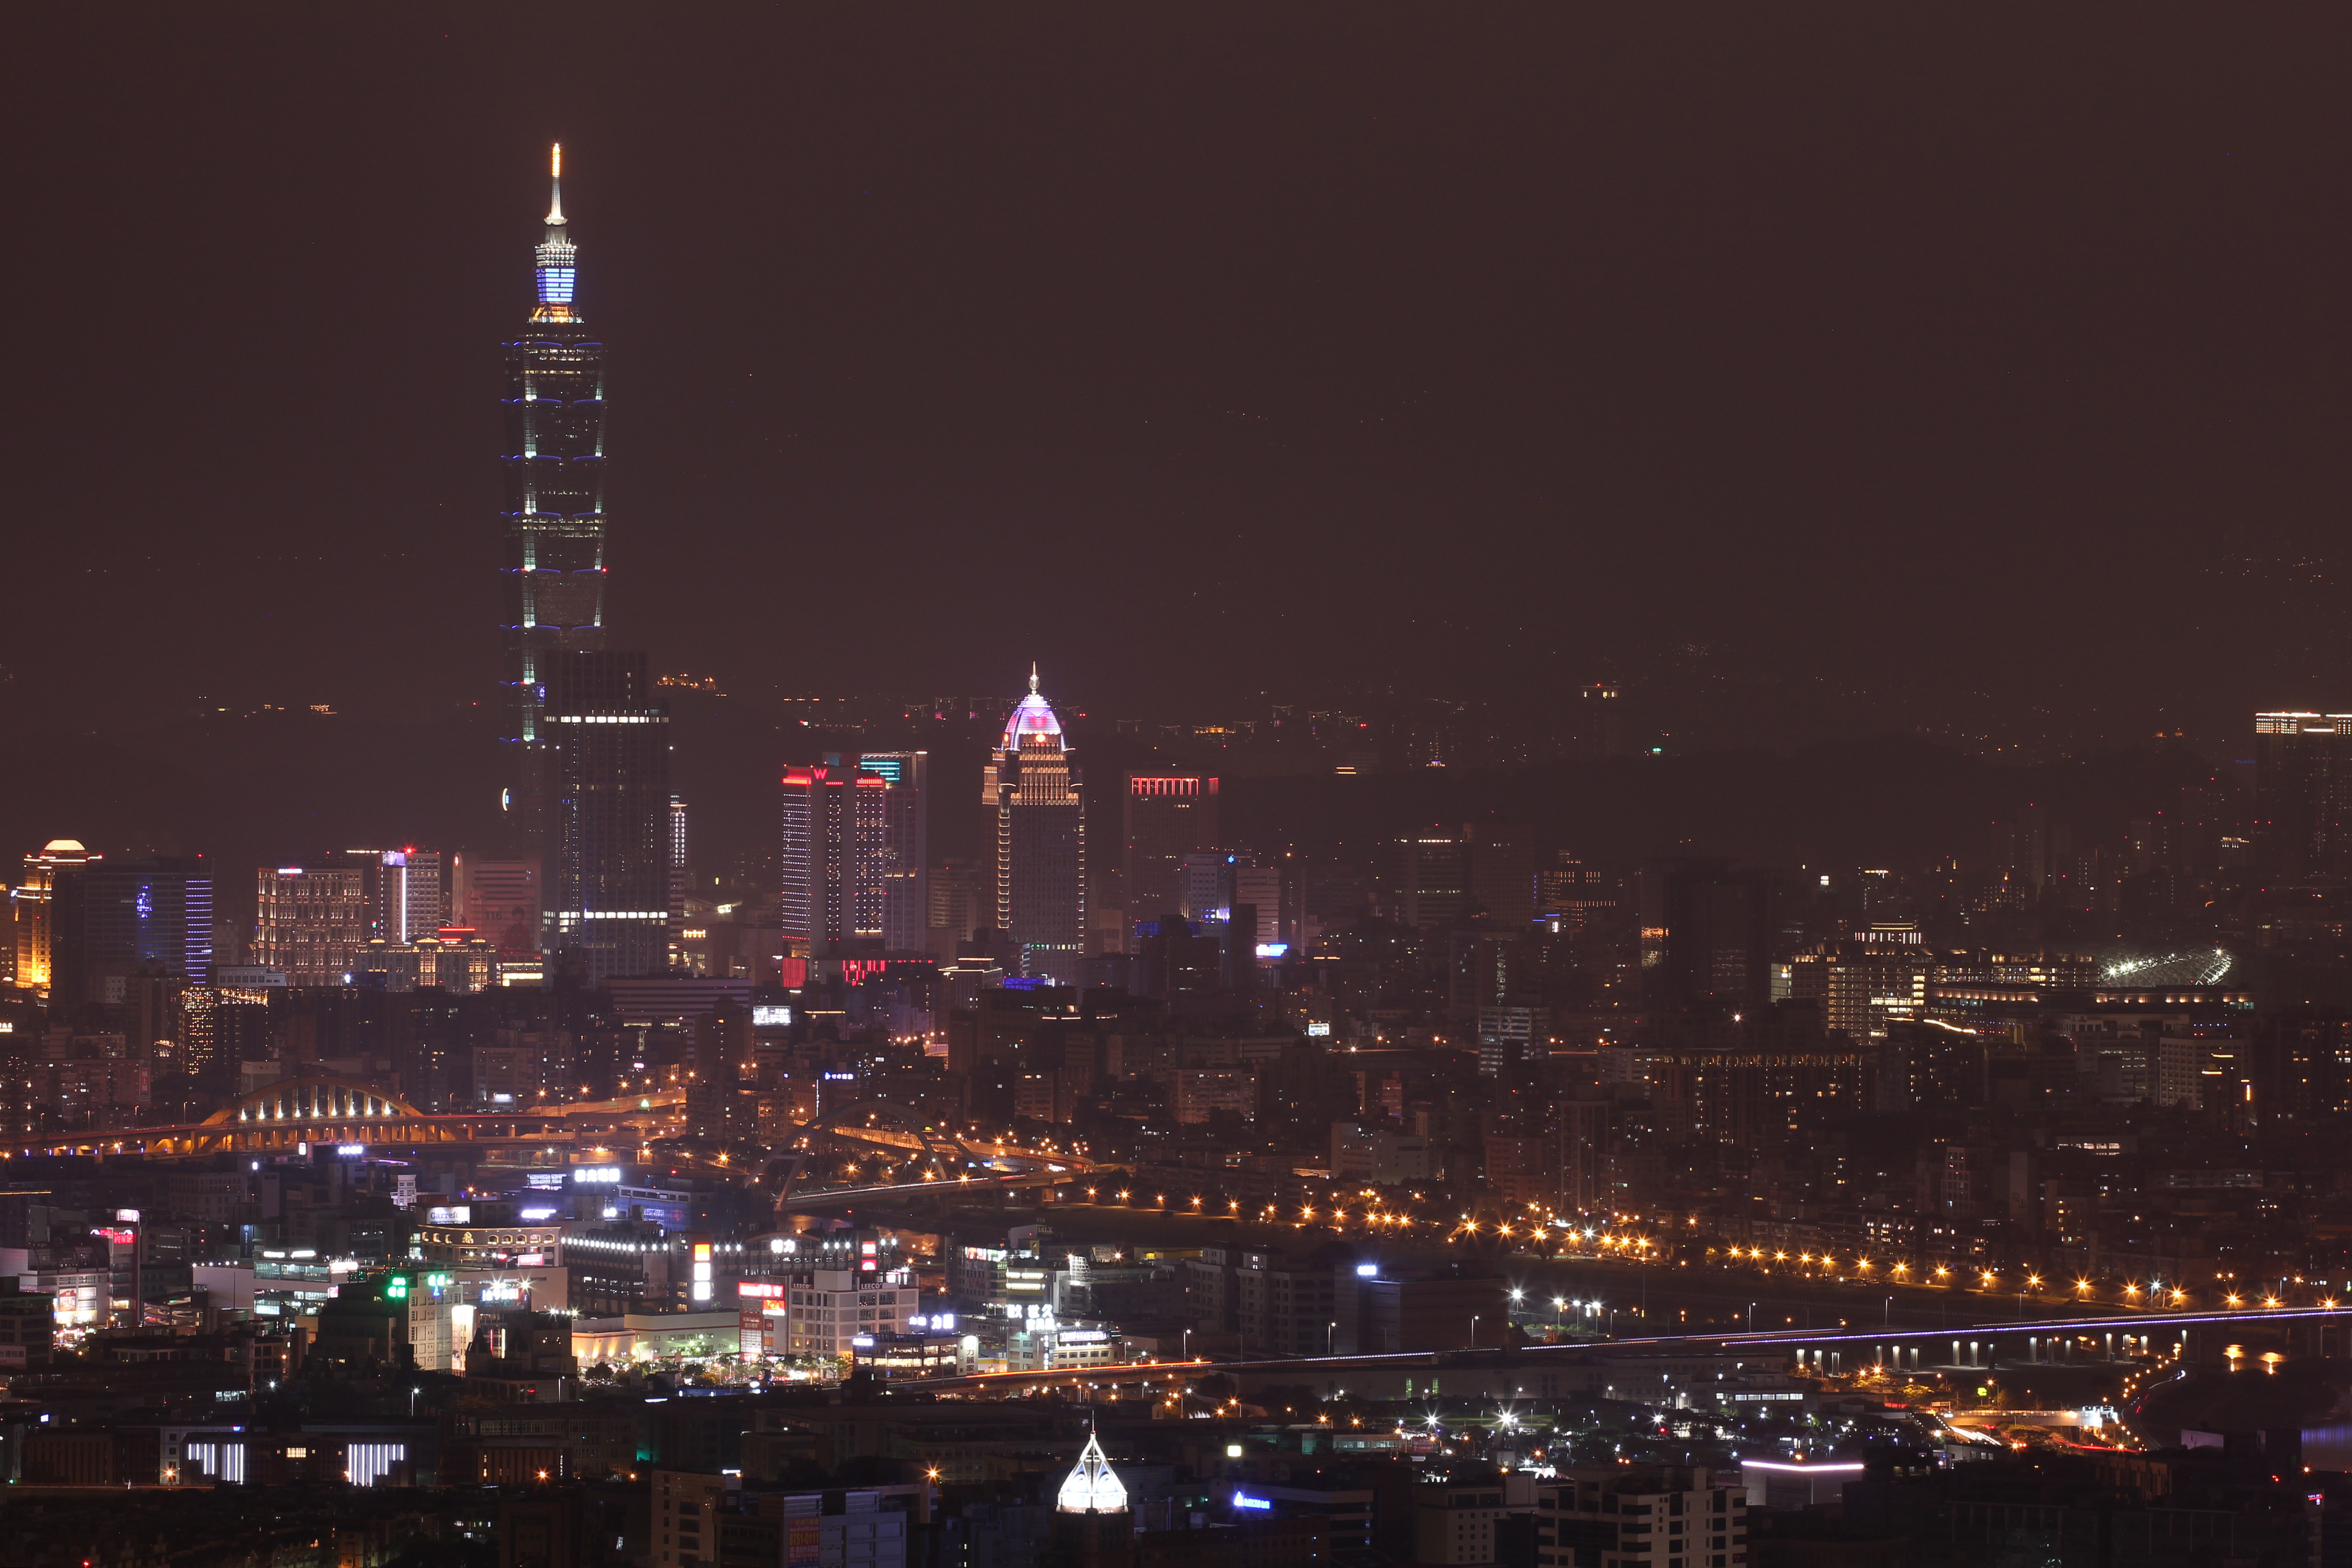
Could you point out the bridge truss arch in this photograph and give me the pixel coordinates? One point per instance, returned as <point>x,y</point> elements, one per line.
<point>306,1108</point>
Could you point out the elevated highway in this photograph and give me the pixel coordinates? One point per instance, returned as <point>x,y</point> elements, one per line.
<point>1981,1349</point>
<point>1518,1370</point>
<point>808,1200</point>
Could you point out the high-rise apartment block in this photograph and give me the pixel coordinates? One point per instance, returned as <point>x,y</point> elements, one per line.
<point>499,900</point>
<point>906,846</point>
<point>1168,817</point>
<point>832,856</point>
<point>552,575</point>
<point>1032,786</point>
<point>2303,796</point>
<point>311,921</point>
<point>610,751</point>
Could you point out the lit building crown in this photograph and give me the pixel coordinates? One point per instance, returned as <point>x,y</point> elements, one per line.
<point>1091,1487</point>
<point>1031,720</point>
<point>558,257</point>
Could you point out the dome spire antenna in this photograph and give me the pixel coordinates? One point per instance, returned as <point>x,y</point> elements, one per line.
<point>1033,674</point>
<point>555,185</point>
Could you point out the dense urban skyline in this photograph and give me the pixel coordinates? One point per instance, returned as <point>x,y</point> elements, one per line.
<point>1672,888</point>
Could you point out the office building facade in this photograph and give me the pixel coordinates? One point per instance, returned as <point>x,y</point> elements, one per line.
<point>610,756</point>
<point>410,896</point>
<point>499,900</point>
<point>1263,889</point>
<point>1032,785</point>
<point>553,574</point>
<point>1432,881</point>
<point>2303,796</point>
<point>1204,887</point>
<point>311,921</point>
<point>30,911</point>
<point>961,904</point>
<point>1603,720</point>
<point>1706,936</point>
<point>906,846</point>
<point>1501,871</point>
<point>113,921</point>
<point>831,856</point>
<point>1166,818</point>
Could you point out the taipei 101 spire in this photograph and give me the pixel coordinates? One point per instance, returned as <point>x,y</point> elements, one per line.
<point>553,587</point>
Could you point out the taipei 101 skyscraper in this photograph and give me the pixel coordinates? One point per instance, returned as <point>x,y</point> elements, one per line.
<point>553,587</point>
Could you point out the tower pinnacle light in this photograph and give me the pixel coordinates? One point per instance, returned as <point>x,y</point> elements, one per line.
<point>558,257</point>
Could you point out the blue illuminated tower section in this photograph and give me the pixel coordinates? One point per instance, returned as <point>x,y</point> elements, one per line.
<point>552,596</point>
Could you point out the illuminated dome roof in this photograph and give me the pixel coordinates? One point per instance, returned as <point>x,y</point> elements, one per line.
<point>1033,717</point>
<point>1091,1487</point>
<point>63,847</point>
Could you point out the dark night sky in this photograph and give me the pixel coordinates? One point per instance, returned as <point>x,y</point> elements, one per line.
<point>1193,351</point>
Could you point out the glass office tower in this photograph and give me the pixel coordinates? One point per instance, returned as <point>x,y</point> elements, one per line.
<point>609,746</point>
<point>905,847</point>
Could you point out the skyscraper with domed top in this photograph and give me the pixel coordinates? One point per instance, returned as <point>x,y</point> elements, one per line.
<point>1040,842</point>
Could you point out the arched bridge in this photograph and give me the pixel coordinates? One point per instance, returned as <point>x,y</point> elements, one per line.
<point>324,1108</point>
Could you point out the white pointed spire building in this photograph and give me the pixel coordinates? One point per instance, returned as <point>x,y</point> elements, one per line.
<point>1091,1486</point>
